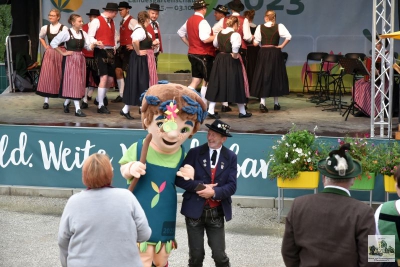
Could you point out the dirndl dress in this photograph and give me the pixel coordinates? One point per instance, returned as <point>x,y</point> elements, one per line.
<point>270,77</point>
<point>50,71</point>
<point>73,80</point>
<point>226,83</point>
<point>138,76</point>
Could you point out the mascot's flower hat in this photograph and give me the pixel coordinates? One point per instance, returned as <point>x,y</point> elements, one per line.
<point>340,165</point>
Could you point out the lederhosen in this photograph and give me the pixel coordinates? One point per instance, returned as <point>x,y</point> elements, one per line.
<point>92,79</point>
<point>123,54</point>
<point>73,80</point>
<point>50,72</point>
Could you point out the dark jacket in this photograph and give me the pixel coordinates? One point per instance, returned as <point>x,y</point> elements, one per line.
<point>225,176</point>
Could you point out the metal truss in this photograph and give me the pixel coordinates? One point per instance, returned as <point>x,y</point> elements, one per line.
<point>382,84</point>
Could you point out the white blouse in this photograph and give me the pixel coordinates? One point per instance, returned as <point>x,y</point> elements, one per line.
<point>53,30</point>
<point>283,32</point>
<point>236,39</point>
<point>64,37</point>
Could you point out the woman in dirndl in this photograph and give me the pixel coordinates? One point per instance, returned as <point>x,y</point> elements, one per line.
<point>228,81</point>
<point>73,81</point>
<point>142,72</point>
<point>50,72</point>
<point>270,77</point>
<point>252,50</point>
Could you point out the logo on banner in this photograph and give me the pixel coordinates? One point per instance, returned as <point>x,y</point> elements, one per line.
<point>67,6</point>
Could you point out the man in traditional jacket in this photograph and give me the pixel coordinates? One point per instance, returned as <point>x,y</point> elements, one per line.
<point>330,228</point>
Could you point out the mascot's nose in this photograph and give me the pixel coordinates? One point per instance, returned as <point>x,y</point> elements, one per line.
<point>173,134</point>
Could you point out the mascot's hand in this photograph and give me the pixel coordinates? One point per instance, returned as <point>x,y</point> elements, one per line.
<point>187,172</point>
<point>137,169</point>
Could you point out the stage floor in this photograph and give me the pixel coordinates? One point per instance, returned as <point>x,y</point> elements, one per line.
<point>25,108</point>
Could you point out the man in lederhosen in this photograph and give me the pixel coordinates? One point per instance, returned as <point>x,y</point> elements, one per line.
<point>197,34</point>
<point>154,27</point>
<point>125,48</point>
<point>92,79</point>
<point>103,29</point>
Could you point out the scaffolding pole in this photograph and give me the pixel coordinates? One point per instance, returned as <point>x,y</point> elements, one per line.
<point>382,83</point>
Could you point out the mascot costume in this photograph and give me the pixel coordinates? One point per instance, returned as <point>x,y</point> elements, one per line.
<point>171,113</point>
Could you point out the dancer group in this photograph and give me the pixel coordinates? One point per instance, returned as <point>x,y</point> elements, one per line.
<point>230,62</point>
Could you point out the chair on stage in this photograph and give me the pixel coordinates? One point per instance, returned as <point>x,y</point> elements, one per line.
<point>333,76</point>
<point>314,58</point>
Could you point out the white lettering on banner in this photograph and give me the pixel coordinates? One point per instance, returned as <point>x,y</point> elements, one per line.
<point>51,157</point>
<point>247,163</point>
<point>20,149</point>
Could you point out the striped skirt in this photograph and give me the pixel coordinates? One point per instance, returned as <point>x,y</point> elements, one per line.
<point>74,76</point>
<point>50,74</point>
<point>151,61</point>
<point>362,96</point>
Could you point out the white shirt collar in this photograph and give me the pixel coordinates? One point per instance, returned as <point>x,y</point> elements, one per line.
<point>339,187</point>
<point>198,14</point>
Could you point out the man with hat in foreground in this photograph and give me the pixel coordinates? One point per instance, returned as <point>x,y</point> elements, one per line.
<point>154,27</point>
<point>330,228</point>
<point>209,179</point>
<point>125,48</point>
<point>197,34</point>
<point>102,29</point>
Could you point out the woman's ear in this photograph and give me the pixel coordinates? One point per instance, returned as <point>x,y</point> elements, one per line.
<point>145,123</point>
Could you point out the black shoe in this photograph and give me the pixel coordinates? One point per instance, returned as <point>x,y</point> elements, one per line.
<point>117,99</point>
<point>105,101</point>
<point>89,98</point>
<point>226,108</point>
<point>126,115</point>
<point>277,107</point>
<point>213,116</point>
<point>103,110</point>
<point>46,106</point>
<point>247,115</point>
<point>66,108</point>
<point>84,105</point>
<point>79,113</point>
<point>263,108</point>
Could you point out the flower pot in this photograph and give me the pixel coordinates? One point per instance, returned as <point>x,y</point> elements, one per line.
<point>306,180</point>
<point>364,183</point>
<point>389,183</point>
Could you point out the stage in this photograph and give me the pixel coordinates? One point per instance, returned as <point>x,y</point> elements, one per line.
<point>25,108</point>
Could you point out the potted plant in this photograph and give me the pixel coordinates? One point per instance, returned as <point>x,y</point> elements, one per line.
<point>389,160</point>
<point>368,154</point>
<point>295,157</point>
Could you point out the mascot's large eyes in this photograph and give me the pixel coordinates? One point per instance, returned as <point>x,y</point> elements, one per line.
<point>159,124</point>
<point>185,130</point>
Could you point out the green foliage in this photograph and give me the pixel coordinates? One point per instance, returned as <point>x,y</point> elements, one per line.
<point>366,152</point>
<point>389,158</point>
<point>5,27</point>
<point>298,150</point>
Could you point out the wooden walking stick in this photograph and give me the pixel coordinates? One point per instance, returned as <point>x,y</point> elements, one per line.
<point>143,156</point>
